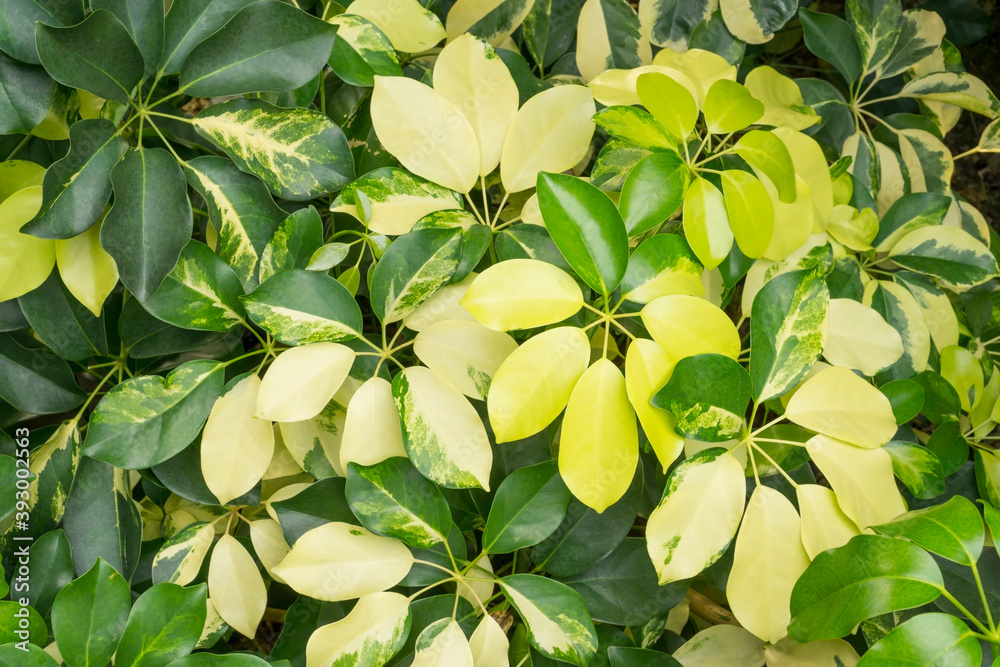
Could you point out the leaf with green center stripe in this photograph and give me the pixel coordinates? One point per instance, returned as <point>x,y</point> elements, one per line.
<point>299,154</point>
<point>235,60</point>
<point>89,616</point>
<point>910,212</point>
<point>146,420</point>
<point>708,396</point>
<point>609,37</point>
<point>876,24</point>
<point>671,23</point>
<point>918,468</point>
<point>442,433</point>
<point>298,307</point>
<point>241,210</point>
<point>947,253</point>
<point>586,227</point>
<point>959,88</point>
<point>953,529</point>
<point>868,576</point>
<point>476,237</point>
<point>757,21</point>
<point>293,243</point>
<point>393,499</point>
<point>927,640</point>
<point>788,328</point>
<point>200,293</point>
<point>97,55</point>
<point>361,51</point>
<point>412,269</point>
<point>529,505</point>
<point>76,188</point>
<point>398,199</point>
<point>180,558</point>
<point>559,624</point>
<point>768,155</point>
<point>165,624</point>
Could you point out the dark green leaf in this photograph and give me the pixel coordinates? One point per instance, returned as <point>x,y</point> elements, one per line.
<point>966,21</point>
<point>89,616</point>
<point>927,640</point>
<point>625,656</point>
<point>293,243</point>
<point>62,322</point>
<point>708,396</point>
<point>181,474</point>
<point>876,24</point>
<point>164,625</point>
<point>941,401</point>
<point>146,336</point>
<point>414,267</point>
<point>97,55</point>
<point>188,23</point>
<point>26,92</point>
<point>948,443</point>
<point>324,501</point>
<point>530,242</point>
<point>52,549</point>
<point>36,381</point>
<point>918,468</point>
<point>529,505</point>
<point>17,21</point>
<point>361,51</point>
<point>829,37</point>
<point>150,222</point>
<point>476,237</point>
<point>144,21</point>
<point>653,191</point>
<point>906,397</point>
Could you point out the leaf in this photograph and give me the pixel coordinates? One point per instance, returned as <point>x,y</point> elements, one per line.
<point>708,396</point>
<point>608,37</point>
<point>927,639</point>
<point>756,23</point>
<point>729,107</point>
<point>522,294</point>
<point>392,498</point>
<point>918,468</point>
<point>647,368</point>
<point>442,433</point>
<point>824,524</point>
<point>861,478</point>
<point>150,222</point>
<point>234,60</point>
<point>953,529</point>
<point>441,147</point>
<point>361,51</point>
<point>236,447</point>
<point>372,431</point>
<point>17,37</point>
<point>442,643</point>
<point>409,26</point>
<point>201,292</point>
<point>551,132</point>
<point>920,35</point>
<point>559,624</point>
<point>101,520</point>
<point>876,24</point>
<point>671,104</point>
<point>241,211</point>
<point>36,381</point>
<point>30,259</point>
<point>304,307</point>
<point>948,253</point>
<point>831,38</point>
<point>839,404</point>
<point>299,154</point>
<point>53,549</point>
<point>63,323</point>
<point>236,587</point>
<point>494,21</point>
<point>459,72</point>
<point>398,199</point>
<point>860,338</point>
<point>25,95</point>
<point>293,244</point>
<point>653,191</point>
<point>661,266</point>
<point>164,625</point>
<point>188,23</point>
<point>670,24</point>
<point>76,188</point>
<point>910,212</point>
<point>97,55</point>
<point>750,212</point>
<point>528,507</point>
<point>338,561</point>
<point>698,515</point>
<point>587,229</point>
<point>163,415</point>
<point>637,127</point>
<point>685,326</point>
<point>144,22</point>
<point>782,98</point>
<point>768,155</point>
<point>412,269</point>
<point>959,88</point>
<point>467,354</point>
<point>722,644</point>
<point>898,306</point>
<point>489,644</point>
<point>789,652</point>
<point>769,559</point>
<point>534,384</point>
<point>89,616</point>
<point>180,559</point>
<point>302,380</point>
<point>371,634</point>
<point>706,223</point>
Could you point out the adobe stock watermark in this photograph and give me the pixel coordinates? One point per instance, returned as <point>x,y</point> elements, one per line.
<point>22,571</point>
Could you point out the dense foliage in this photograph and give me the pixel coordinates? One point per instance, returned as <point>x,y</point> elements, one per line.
<point>494,332</point>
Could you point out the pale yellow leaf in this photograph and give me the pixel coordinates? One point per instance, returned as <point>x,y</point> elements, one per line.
<point>522,294</point>
<point>302,380</point>
<point>368,636</point>
<point>371,431</point>
<point>489,644</point>
<point>467,354</point>
<point>686,325</point>
<point>824,524</point>
<point>88,271</point>
<point>721,645</point>
<point>860,338</point>
<point>236,587</point>
<point>406,23</point>
<point>269,544</point>
<point>647,369</point>
<point>26,260</point>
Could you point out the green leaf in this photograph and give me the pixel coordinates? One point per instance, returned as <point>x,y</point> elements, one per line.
<point>920,35</point>
<point>661,266</point>
<point>831,38</point>
<point>868,576</point>
<point>322,502</point>
<point>706,223</point>
<point>235,60</point>
<point>767,154</point>
<point>89,616</point>
<point>298,307</point>
<point>62,322</point>
<point>361,51</point>
<point>150,221</point>
<point>729,107</point>
<point>924,641</point>
<point>948,253</point>
<point>36,380</point>
<point>630,656</point>
<point>653,191</point>
<point>393,499</point>
<point>876,24</point>
<point>788,327</point>
<point>671,104</point>
<point>559,624</point>
<point>918,468</point>
<point>77,187</point>
<point>97,55</point>
<point>224,660</point>
<point>11,656</point>
<point>143,19</point>
<point>623,589</point>
<point>750,211</point>
<point>17,21</point>
<point>476,237</point>
<point>528,507</point>
<point>708,396</point>
<point>906,397</point>
<point>33,624</point>
<point>299,154</point>
<point>26,91</point>
<point>953,529</point>
<point>188,23</point>
<point>53,549</point>
<point>102,521</point>
<point>146,420</point>
<point>636,127</point>
<point>241,210</point>
<point>586,227</point>
<point>293,243</point>
<point>412,269</point>
<point>165,624</point>
<point>201,292</point>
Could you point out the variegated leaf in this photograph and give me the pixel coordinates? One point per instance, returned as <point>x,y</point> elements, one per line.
<point>756,21</point>
<point>947,253</point>
<point>669,23</point>
<point>608,37</point>
<point>180,558</point>
<point>361,51</point>
<point>467,354</point>
<point>559,624</point>
<point>369,636</point>
<point>412,269</point>
<point>398,199</point>
<point>959,88</point>
<point>493,20</point>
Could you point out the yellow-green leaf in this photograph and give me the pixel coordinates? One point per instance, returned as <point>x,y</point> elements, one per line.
<point>522,294</point>
<point>751,216</point>
<point>647,368</point>
<point>824,524</point>
<point>729,107</point>
<point>706,223</point>
<point>686,325</point>
<point>27,260</point>
<point>87,270</point>
<point>302,380</point>
<point>783,103</point>
<point>670,103</point>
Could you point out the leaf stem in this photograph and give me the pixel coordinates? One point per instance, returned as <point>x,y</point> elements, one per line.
<point>958,605</point>
<point>97,389</point>
<point>17,149</point>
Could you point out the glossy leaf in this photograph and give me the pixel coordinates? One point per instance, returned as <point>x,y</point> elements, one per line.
<point>529,506</point>
<point>300,307</point>
<point>708,395</point>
